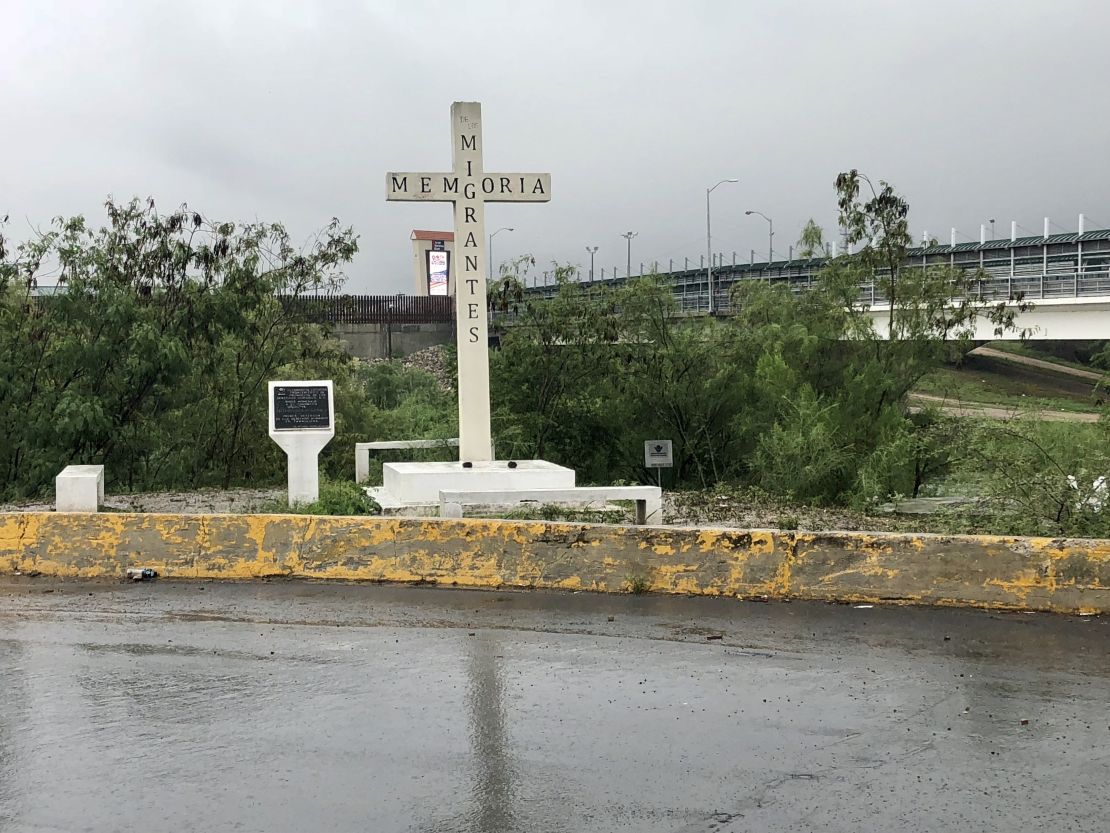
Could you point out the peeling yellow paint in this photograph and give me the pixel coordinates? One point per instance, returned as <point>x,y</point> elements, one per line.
<point>985,571</point>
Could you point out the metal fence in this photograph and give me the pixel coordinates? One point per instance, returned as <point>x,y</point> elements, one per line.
<point>373,309</point>
<point>692,294</point>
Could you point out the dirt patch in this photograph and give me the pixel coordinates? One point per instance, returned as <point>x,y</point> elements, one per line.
<point>965,409</point>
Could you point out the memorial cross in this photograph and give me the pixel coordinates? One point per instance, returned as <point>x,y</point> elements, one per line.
<point>469,187</point>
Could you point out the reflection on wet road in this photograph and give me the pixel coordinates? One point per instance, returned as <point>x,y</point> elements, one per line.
<point>317,707</point>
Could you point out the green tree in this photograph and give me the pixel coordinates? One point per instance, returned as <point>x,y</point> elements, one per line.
<point>544,376</point>
<point>1043,478</point>
<point>679,378</point>
<point>827,417</point>
<point>153,356</point>
<point>935,303</point>
<point>811,242</point>
<point>795,392</point>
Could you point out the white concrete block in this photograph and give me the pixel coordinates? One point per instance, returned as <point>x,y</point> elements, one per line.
<point>649,499</point>
<point>421,483</point>
<point>79,489</point>
<point>362,452</point>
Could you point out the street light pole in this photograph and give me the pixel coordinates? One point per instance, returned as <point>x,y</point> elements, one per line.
<point>592,250</point>
<point>506,228</point>
<point>389,332</point>
<point>628,235</point>
<point>709,242</point>
<point>770,234</point>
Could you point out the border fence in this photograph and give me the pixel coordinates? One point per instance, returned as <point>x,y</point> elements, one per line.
<point>373,309</point>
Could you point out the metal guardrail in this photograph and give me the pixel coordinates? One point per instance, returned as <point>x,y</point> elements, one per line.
<point>1029,287</point>
<point>416,309</point>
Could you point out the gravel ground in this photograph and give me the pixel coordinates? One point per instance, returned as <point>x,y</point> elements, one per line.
<point>433,360</point>
<point>200,502</point>
<point>747,511</point>
<point>695,508</point>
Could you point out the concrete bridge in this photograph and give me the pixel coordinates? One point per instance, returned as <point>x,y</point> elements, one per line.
<point>1065,276</point>
<point>1080,318</point>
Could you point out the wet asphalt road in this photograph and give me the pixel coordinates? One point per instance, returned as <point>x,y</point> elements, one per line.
<point>316,707</point>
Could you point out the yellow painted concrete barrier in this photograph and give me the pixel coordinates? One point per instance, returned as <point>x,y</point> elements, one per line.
<point>1068,575</point>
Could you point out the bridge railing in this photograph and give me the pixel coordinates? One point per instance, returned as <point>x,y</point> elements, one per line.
<point>693,297</point>
<point>1031,286</point>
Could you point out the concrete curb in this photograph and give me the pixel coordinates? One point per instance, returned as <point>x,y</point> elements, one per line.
<point>1065,575</point>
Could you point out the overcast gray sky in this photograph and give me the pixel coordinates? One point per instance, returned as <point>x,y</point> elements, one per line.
<point>293,111</point>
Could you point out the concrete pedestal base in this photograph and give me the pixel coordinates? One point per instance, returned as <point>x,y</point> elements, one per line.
<point>413,485</point>
<point>303,433</point>
<point>79,489</point>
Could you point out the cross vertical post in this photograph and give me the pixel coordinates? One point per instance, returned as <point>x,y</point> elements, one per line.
<point>471,307</point>
<point>469,188</point>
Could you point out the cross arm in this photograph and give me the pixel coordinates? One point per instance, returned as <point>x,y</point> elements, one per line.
<point>421,186</point>
<point>514,187</point>
<point>451,187</point>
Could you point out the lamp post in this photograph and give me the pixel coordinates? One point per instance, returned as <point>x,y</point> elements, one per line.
<point>709,242</point>
<point>992,228</point>
<point>628,235</point>
<point>592,250</point>
<point>505,228</point>
<point>770,234</point>
<point>389,332</point>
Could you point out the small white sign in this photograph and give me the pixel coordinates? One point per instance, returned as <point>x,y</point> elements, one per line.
<point>658,455</point>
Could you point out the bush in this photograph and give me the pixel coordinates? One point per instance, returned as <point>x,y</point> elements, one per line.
<point>154,358</point>
<point>337,497</point>
<point>1038,478</point>
<point>788,523</point>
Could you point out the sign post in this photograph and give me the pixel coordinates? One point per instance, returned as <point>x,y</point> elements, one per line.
<point>658,455</point>
<point>302,422</point>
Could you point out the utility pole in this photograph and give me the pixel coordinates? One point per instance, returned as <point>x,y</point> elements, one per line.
<point>628,235</point>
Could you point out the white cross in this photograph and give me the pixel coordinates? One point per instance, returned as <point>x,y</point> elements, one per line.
<point>469,187</point>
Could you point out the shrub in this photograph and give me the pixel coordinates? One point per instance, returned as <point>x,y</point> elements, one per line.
<point>337,497</point>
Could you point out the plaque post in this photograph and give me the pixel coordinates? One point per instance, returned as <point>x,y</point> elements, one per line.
<point>302,422</point>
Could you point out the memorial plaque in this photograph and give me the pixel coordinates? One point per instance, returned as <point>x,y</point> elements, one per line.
<point>301,408</point>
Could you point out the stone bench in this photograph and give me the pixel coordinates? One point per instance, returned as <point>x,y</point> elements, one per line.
<point>362,452</point>
<point>649,499</point>
<point>79,489</point>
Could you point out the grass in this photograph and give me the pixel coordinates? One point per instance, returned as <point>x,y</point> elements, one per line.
<point>567,514</point>
<point>337,497</point>
<point>788,522</point>
<point>1019,349</point>
<point>987,382</point>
